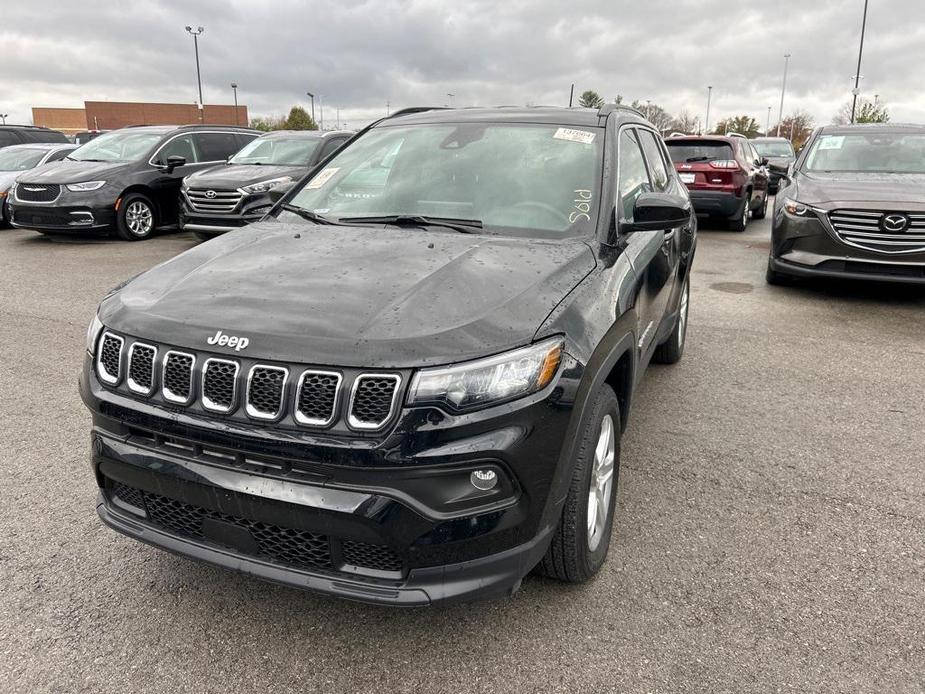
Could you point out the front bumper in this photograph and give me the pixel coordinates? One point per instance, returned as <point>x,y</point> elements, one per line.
<point>391,518</point>
<point>69,212</point>
<point>251,209</point>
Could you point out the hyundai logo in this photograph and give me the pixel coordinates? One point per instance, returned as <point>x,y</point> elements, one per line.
<point>211,194</point>
<point>894,223</point>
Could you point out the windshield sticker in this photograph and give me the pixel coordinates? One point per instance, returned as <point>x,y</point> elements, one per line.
<point>582,206</point>
<point>582,136</point>
<point>323,177</point>
<point>832,142</point>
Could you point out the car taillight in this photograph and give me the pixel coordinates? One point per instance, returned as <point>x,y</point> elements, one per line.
<point>724,164</point>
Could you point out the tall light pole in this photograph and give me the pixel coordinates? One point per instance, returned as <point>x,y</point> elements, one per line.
<point>321,111</point>
<point>767,125</point>
<point>3,116</point>
<point>783,89</point>
<point>196,33</point>
<point>234,86</point>
<point>451,98</point>
<point>312,97</point>
<point>706,126</point>
<point>857,76</point>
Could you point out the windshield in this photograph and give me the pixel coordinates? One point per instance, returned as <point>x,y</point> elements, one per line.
<point>15,159</point>
<point>705,150</point>
<point>871,152</point>
<point>773,149</point>
<point>119,145</point>
<point>513,178</point>
<point>282,151</point>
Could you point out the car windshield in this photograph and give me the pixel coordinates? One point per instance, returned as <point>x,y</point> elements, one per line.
<point>281,151</point>
<point>870,152</point>
<point>119,145</point>
<point>773,149</point>
<point>704,150</point>
<point>20,159</point>
<point>516,179</point>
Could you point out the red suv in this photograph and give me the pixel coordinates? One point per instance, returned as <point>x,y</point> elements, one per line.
<point>724,174</point>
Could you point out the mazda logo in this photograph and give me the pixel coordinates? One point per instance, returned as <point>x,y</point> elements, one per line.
<point>211,194</point>
<point>894,223</point>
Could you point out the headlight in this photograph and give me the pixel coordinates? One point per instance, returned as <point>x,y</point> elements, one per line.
<point>264,186</point>
<point>489,381</point>
<point>85,186</point>
<point>93,332</point>
<point>798,209</point>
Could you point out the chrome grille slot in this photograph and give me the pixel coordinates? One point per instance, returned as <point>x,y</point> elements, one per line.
<point>372,401</point>
<point>141,368</point>
<point>219,384</point>
<point>37,192</point>
<point>266,388</point>
<point>109,358</point>
<point>211,200</point>
<point>868,230</point>
<point>316,397</point>
<point>177,377</point>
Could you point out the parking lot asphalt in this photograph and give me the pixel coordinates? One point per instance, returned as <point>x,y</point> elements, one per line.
<point>770,530</point>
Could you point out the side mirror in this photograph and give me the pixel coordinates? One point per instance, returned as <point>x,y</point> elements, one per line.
<point>276,193</point>
<point>764,161</point>
<point>657,212</point>
<point>174,161</point>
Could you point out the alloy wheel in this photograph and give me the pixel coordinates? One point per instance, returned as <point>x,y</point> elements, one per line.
<point>682,313</point>
<point>139,218</point>
<point>599,489</point>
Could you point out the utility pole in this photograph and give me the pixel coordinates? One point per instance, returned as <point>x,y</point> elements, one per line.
<point>450,96</point>
<point>234,86</point>
<point>196,34</point>
<point>706,127</point>
<point>321,112</point>
<point>783,89</point>
<point>338,117</point>
<point>767,125</point>
<point>857,76</point>
<point>571,95</point>
<point>312,97</point>
<point>3,117</point>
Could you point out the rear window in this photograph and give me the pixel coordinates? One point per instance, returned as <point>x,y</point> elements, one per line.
<point>689,151</point>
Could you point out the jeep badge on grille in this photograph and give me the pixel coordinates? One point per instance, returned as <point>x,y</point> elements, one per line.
<point>222,340</point>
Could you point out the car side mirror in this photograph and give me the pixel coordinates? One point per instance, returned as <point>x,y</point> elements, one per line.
<point>174,161</point>
<point>276,193</point>
<point>658,211</point>
<point>764,161</point>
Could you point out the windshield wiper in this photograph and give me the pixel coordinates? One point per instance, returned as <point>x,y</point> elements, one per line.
<point>307,214</point>
<point>463,226</point>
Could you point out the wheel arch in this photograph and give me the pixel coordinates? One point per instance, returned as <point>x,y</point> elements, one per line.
<point>144,190</point>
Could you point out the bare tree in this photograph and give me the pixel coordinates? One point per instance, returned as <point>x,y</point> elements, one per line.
<point>655,114</point>
<point>685,123</point>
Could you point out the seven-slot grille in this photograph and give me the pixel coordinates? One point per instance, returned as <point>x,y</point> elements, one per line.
<point>37,192</point>
<point>109,358</point>
<point>141,368</point>
<point>869,229</point>
<point>268,394</point>
<point>266,389</point>
<point>373,400</point>
<point>209,200</point>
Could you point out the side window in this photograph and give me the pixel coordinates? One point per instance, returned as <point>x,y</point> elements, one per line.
<point>330,146</point>
<point>215,146</point>
<point>634,179</point>
<point>181,146</point>
<point>243,139</point>
<point>8,138</point>
<point>656,163</point>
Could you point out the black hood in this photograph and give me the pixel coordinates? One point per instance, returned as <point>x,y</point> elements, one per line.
<point>239,175</point>
<point>74,171</point>
<point>353,296</point>
<point>861,189</point>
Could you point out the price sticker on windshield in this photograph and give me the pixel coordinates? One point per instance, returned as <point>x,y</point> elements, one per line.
<point>323,177</point>
<point>582,136</point>
<point>832,142</point>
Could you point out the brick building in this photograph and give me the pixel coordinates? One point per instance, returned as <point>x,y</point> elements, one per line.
<point>109,115</point>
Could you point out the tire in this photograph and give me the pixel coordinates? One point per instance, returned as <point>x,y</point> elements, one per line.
<point>775,278</point>
<point>740,220</point>
<point>137,218</point>
<point>671,350</point>
<point>575,554</point>
<point>762,211</point>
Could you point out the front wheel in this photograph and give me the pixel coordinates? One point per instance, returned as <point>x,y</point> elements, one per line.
<point>135,220</point>
<point>579,546</point>
<point>670,351</point>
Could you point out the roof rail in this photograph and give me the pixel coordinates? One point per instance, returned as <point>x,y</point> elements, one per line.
<point>415,109</point>
<point>735,134</point>
<point>677,134</point>
<point>606,109</point>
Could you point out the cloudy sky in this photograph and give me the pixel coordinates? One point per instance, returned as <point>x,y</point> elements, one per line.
<point>359,56</point>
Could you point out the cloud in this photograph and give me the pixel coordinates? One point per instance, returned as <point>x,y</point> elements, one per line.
<point>359,56</point>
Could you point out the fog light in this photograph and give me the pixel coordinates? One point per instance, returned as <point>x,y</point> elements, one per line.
<point>484,479</point>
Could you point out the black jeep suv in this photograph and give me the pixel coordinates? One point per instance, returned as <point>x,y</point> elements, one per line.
<point>853,207</point>
<point>779,153</point>
<point>128,179</point>
<point>409,383</point>
<point>236,193</point>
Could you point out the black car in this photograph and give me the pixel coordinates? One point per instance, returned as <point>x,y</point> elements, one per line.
<point>854,206</point>
<point>408,384</point>
<point>225,197</point>
<point>28,134</point>
<point>125,179</point>
<point>778,151</point>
